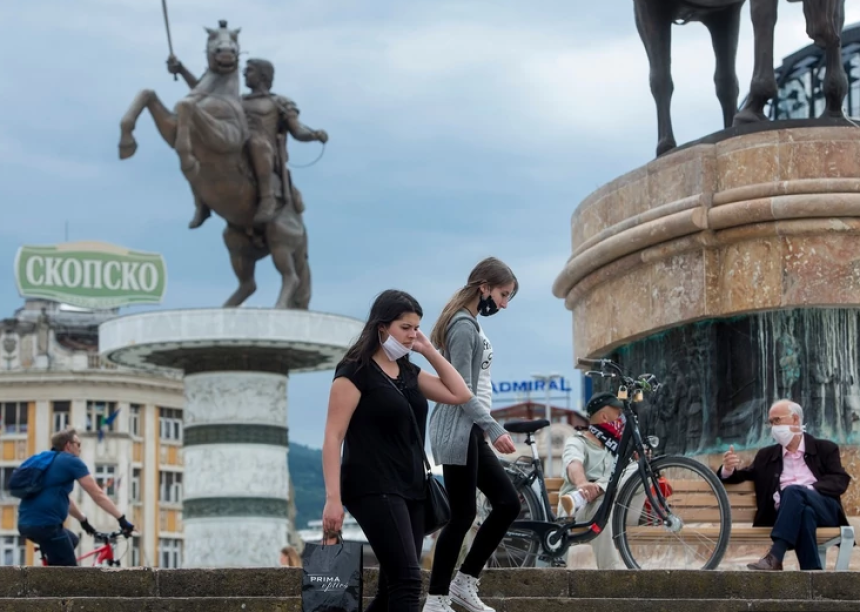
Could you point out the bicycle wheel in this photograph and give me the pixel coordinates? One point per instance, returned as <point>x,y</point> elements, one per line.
<point>512,551</point>
<point>701,518</point>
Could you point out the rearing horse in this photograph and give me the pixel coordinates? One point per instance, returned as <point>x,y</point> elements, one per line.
<point>209,132</point>
<point>654,19</point>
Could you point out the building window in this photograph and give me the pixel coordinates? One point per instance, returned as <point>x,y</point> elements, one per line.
<point>5,475</point>
<point>134,420</point>
<point>105,476</point>
<point>61,415</point>
<point>13,418</point>
<point>12,550</point>
<point>170,423</point>
<point>135,552</point>
<point>135,485</point>
<point>170,552</point>
<point>170,487</point>
<point>97,413</point>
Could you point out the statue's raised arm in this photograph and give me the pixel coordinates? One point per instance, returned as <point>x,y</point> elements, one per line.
<point>174,66</point>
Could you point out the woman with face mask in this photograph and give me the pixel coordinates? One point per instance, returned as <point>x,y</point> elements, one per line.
<point>458,438</point>
<point>378,399</point>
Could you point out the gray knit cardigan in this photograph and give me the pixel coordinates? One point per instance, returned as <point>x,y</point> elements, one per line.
<point>450,426</point>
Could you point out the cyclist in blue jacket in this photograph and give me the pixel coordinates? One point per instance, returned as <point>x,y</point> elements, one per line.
<point>41,517</point>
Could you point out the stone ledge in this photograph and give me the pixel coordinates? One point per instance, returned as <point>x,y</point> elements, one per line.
<point>36,583</point>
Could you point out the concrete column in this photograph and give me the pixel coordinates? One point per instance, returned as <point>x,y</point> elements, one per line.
<point>236,482</point>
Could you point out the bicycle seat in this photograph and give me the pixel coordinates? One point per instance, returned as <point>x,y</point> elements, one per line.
<point>526,426</point>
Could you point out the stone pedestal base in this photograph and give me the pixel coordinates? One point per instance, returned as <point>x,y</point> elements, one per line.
<point>236,481</point>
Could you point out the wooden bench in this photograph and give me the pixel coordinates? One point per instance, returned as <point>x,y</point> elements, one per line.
<point>695,502</point>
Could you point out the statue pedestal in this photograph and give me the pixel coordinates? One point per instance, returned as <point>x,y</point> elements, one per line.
<point>731,270</point>
<point>235,438</point>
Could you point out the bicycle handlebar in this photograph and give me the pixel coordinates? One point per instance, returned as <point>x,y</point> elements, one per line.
<point>113,535</point>
<point>645,382</point>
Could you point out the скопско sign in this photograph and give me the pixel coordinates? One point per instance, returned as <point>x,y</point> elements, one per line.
<point>93,275</point>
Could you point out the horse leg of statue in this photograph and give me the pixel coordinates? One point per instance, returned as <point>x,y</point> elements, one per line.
<point>189,164</point>
<point>243,261</point>
<point>654,22</point>
<point>724,27</point>
<point>165,122</point>
<point>763,84</point>
<point>824,22</point>
<point>301,298</point>
<point>283,246</point>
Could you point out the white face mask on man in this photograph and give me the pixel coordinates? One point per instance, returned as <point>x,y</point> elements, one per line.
<point>783,434</point>
<point>393,349</point>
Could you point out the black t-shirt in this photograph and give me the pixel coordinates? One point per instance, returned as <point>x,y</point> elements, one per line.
<point>380,452</point>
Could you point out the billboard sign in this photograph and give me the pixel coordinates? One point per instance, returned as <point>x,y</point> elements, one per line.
<point>560,384</point>
<point>92,275</point>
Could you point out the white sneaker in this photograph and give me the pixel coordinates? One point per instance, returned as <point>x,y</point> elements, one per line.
<point>438,603</point>
<point>464,592</point>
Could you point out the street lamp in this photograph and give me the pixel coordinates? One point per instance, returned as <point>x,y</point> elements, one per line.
<point>547,379</point>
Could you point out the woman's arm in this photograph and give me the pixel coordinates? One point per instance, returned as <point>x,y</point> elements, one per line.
<point>446,388</point>
<point>342,402</point>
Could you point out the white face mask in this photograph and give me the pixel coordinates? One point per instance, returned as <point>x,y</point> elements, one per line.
<point>783,434</point>
<point>393,349</point>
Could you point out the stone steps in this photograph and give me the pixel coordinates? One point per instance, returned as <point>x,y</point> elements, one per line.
<point>38,589</point>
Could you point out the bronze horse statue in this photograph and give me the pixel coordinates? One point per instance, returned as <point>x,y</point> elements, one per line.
<point>654,20</point>
<point>209,131</point>
<point>824,22</point>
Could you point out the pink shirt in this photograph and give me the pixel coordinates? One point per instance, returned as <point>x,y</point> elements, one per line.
<point>794,470</point>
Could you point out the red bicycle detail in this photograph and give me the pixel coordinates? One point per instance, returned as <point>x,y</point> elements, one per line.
<point>102,555</point>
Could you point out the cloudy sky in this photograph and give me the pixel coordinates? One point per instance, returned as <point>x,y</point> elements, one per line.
<point>458,130</point>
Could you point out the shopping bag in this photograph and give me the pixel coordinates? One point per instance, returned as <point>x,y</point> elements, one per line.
<point>332,577</point>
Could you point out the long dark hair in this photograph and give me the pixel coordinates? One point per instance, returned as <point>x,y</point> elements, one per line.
<point>491,271</point>
<point>388,306</point>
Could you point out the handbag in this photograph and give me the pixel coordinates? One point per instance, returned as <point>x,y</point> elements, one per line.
<point>437,508</point>
<point>332,577</point>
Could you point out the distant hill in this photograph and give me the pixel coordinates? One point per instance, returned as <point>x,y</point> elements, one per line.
<point>306,474</point>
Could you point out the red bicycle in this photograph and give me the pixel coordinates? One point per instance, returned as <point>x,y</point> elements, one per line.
<point>102,555</point>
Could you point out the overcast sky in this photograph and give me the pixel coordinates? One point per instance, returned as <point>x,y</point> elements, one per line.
<point>458,130</point>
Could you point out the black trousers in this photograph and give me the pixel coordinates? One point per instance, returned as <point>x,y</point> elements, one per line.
<point>394,528</point>
<point>56,543</point>
<point>801,511</point>
<point>482,471</point>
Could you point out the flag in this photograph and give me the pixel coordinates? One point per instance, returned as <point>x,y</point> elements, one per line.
<point>106,422</point>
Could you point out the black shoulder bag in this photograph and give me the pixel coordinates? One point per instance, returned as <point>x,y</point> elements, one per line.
<point>437,508</point>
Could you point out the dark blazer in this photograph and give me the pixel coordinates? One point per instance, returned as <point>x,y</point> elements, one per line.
<point>822,457</point>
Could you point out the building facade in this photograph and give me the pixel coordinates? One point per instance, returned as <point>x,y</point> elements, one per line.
<point>130,425</point>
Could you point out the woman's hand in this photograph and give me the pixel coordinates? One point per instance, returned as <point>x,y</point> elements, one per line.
<point>332,520</point>
<point>504,444</point>
<point>422,345</point>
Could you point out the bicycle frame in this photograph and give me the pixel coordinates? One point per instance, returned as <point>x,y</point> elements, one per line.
<point>555,537</point>
<point>104,554</point>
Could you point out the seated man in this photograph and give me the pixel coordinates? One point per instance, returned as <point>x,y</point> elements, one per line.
<point>41,517</point>
<point>588,459</point>
<point>798,482</point>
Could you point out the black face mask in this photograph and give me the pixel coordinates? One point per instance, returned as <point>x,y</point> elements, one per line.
<point>487,306</point>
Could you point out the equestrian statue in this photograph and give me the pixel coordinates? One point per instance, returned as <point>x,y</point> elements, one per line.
<point>654,20</point>
<point>232,150</point>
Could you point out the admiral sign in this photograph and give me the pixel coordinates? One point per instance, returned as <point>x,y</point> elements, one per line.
<point>531,386</point>
<point>93,275</point>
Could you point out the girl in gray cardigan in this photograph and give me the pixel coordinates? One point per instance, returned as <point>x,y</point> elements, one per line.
<point>458,438</point>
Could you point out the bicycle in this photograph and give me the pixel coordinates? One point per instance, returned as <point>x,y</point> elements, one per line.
<point>102,555</point>
<point>644,509</point>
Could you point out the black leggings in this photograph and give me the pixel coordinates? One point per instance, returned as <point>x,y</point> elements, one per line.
<point>394,528</point>
<point>482,471</point>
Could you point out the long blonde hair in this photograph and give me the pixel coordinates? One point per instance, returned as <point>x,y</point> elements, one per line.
<point>490,271</point>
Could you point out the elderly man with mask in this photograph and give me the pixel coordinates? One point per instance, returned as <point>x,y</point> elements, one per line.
<point>798,483</point>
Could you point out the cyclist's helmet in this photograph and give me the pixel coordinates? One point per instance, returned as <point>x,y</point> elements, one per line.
<point>600,400</point>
